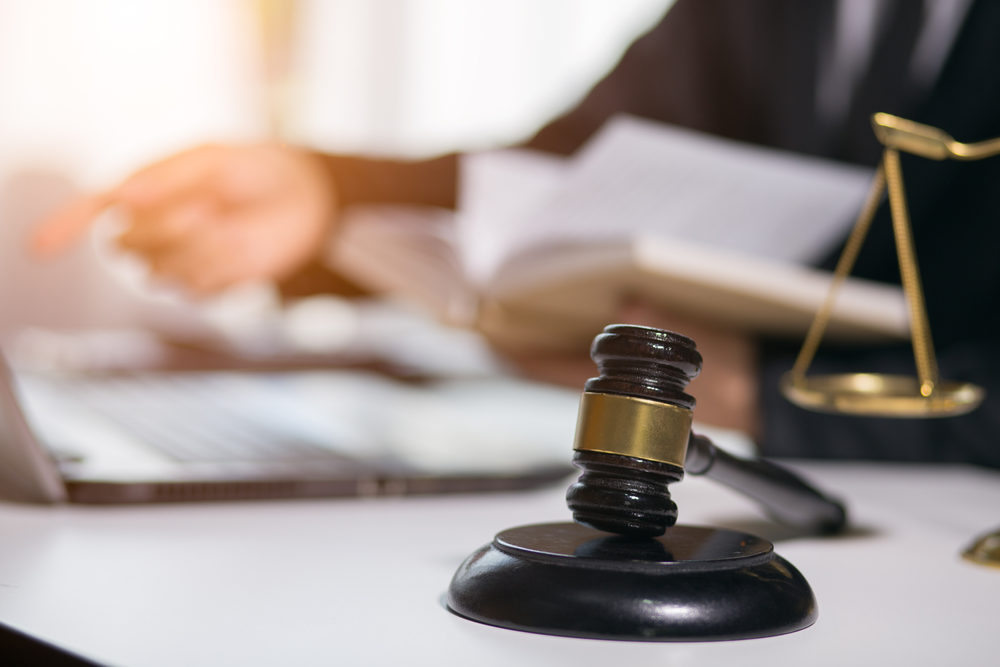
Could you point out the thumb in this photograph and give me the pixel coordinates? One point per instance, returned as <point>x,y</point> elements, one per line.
<point>66,225</point>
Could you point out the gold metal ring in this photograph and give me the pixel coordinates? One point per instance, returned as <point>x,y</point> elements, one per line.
<point>879,395</point>
<point>632,426</point>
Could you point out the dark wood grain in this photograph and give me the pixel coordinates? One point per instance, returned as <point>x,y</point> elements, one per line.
<point>624,494</point>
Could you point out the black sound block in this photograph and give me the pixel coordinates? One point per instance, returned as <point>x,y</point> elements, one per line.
<point>692,583</point>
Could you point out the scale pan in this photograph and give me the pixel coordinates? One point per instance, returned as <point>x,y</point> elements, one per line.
<point>878,395</point>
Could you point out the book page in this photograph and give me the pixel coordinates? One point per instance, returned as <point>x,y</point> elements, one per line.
<point>640,178</point>
<point>694,223</point>
<point>548,247</point>
<point>500,193</point>
<point>406,251</point>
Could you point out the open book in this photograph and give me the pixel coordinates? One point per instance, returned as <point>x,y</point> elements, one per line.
<point>545,250</point>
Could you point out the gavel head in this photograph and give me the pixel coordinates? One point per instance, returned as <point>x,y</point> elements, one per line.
<point>632,431</point>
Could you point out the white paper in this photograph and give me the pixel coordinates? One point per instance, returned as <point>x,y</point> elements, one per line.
<point>639,178</point>
<point>500,194</point>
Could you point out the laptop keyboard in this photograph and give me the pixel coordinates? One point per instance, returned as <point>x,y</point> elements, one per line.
<point>191,420</point>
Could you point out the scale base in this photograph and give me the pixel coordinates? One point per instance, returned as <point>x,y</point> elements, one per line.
<point>690,584</point>
<point>880,395</point>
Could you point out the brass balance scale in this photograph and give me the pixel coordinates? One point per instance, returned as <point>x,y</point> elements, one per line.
<point>877,394</point>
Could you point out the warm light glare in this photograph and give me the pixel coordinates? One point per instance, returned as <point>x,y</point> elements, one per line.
<point>91,90</point>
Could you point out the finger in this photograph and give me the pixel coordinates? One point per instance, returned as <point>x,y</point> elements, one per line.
<point>151,186</point>
<point>201,267</point>
<point>215,279</point>
<point>154,230</point>
<point>178,174</point>
<point>219,264</point>
<point>66,225</point>
<point>179,264</point>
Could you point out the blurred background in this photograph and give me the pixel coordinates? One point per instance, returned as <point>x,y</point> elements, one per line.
<point>90,91</point>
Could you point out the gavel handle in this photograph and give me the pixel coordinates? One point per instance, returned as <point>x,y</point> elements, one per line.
<point>784,495</point>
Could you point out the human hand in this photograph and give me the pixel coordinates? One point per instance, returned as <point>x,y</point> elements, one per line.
<point>212,216</point>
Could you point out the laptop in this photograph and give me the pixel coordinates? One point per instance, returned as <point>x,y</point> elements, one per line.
<point>159,436</point>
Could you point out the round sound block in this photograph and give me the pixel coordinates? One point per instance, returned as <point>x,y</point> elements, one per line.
<point>691,583</point>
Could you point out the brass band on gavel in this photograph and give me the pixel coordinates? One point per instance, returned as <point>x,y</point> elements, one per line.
<point>631,426</point>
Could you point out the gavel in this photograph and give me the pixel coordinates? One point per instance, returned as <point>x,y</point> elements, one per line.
<point>634,438</point>
<point>622,569</point>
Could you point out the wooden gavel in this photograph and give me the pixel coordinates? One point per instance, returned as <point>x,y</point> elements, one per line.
<point>634,438</point>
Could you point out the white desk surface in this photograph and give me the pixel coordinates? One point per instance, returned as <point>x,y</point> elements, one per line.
<point>360,582</point>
